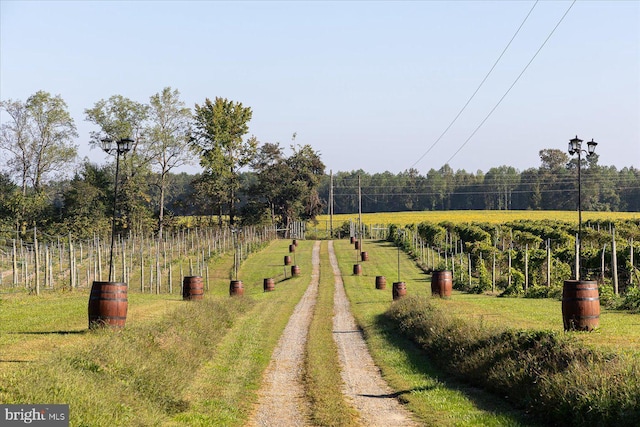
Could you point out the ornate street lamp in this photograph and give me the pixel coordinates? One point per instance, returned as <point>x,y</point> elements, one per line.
<point>108,301</point>
<point>121,146</point>
<point>575,147</point>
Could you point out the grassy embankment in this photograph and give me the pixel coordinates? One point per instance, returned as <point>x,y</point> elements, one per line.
<point>176,363</point>
<point>559,377</point>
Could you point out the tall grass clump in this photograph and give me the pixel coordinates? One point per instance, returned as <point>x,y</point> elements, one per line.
<point>137,376</point>
<point>550,375</point>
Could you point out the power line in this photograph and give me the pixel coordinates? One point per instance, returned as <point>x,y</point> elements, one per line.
<point>478,88</point>
<point>513,84</point>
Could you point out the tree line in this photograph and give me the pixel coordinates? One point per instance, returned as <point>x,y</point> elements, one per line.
<point>243,180</point>
<point>551,186</point>
<point>38,153</point>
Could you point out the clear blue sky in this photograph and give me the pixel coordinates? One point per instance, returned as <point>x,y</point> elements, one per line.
<point>369,85</point>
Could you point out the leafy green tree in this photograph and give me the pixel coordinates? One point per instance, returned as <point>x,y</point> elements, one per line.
<point>38,138</point>
<point>307,169</point>
<point>271,169</point>
<point>87,200</point>
<point>287,187</point>
<point>117,118</point>
<point>500,183</point>
<point>218,132</point>
<point>169,138</point>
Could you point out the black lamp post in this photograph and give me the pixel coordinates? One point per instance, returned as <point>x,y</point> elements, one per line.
<point>121,146</point>
<point>575,147</point>
<point>236,262</point>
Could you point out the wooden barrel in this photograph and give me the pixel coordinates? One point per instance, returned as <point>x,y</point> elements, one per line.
<point>292,248</point>
<point>399,290</point>
<point>236,288</point>
<point>357,269</point>
<point>108,305</point>
<point>269,285</point>
<point>364,256</point>
<point>295,242</point>
<point>352,240</point>
<point>295,270</point>
<point>192,288</point>
<point>441,283</point>
<point>287,260</point>
<point>580,305</point>
<point>357,244</point>
<point>381,282</point>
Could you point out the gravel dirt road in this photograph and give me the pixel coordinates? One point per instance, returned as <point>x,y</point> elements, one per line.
<point>281,398</point>
<point>363,383</point>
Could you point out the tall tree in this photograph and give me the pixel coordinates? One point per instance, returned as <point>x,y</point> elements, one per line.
<point>168,137</point>
<point>219,128</point>
<point>119,117</point>
<point>87,200</point>
<point>307,170</point>
<point>271,171</point>
<point>287,188</point>
<point>38,137</point>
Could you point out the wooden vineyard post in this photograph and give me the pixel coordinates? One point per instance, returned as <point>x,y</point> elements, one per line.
<point>614,261</point>
<point>548,262</point>
<point>36,261</point>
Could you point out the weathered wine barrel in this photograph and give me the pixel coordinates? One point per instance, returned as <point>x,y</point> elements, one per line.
<point>357,269</point>
<point>357,244</point>
<point>580,305</point>
<point>108,305</point>
<point>236,288</point>
<point>364,256</point>
<point>399,290</point>
<point>441,283</point>
<point>295,242</point>
<point>192,288</point>
<point>295,270</point>
<point>287,260</point>
<point>381,282</point>
<point>269,285</point>
<point>352,240</point>
<point>292,248</point>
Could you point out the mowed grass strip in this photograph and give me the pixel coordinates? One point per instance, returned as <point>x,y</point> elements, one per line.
<point>434,397</point>
<point>198,364</point>
<point>618,330</point>
<point>323,383</point>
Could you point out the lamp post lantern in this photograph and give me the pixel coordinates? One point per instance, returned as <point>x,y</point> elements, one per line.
<point>108,301</point>
<point>121,147</point>
<point>575,147</point>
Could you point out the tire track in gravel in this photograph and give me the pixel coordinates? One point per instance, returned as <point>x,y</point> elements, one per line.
<point>363,383</point>
<point>282,399</point>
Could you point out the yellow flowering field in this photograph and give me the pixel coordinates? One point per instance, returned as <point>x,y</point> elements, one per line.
<point>493,216</point>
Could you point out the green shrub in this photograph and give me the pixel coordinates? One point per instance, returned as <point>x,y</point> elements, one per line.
<point>608,298</point>
<point>631,300</point>
<point>537,292</point>
<point>549,374</point>
<point>516,288</point>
